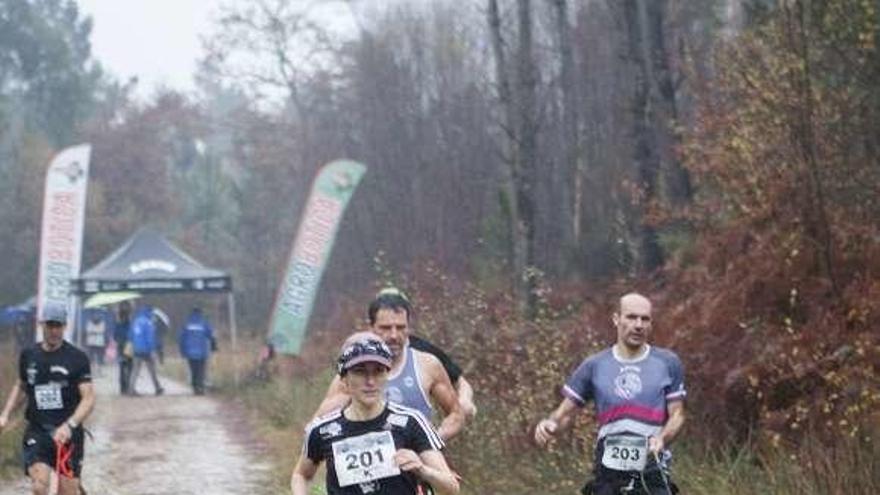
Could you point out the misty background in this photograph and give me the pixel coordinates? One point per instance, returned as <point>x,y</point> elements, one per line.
<point>521,145</point>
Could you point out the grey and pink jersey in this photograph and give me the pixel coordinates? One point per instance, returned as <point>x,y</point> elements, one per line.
<point>630,395</point>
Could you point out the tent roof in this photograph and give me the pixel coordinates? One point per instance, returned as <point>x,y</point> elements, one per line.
<point>148,262</point>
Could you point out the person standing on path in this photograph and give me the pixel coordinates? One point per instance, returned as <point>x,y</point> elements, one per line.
<point>639,393</point>
<point>123,354</point>
<point>55,379</point>
<point>96,337</point>
<point>142,336</point>
<point>196,340</point>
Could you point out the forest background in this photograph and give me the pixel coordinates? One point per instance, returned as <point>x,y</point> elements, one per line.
<point>528,162</point>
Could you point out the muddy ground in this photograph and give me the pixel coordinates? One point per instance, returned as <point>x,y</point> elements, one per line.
<point>175,443</point>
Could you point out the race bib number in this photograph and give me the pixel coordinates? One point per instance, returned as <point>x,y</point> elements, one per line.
<point>48,396</point>
<point>625,453</point>
<point>365,458</point>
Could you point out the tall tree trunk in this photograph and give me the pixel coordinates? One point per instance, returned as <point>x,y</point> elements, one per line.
<point>676,181</point>
<point>573,162</point>
<point>647,162</point>
<point>817,226</point>
<point>519,121</point>
<point>505,99</point>
<point>527,154</point>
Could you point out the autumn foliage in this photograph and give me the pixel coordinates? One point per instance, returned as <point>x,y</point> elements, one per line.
<point>777,306</point>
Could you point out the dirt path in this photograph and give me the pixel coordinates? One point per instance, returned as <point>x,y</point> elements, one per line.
<point>176,443</point>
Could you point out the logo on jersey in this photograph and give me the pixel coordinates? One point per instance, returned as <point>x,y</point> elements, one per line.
<point>32,374</point>
<point>394,394</point>
<point>59,369</point>
<point>330,430</point>
<point>397,420</point>
<point>408,381</point>
<point>628,384</point>
<point>369,487</point>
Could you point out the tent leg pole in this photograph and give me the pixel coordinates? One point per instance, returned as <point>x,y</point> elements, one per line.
<point>234,329</point>
<point>76,336</point>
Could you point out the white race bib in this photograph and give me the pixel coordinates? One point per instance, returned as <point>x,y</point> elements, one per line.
<point>625,453</point>
<point>94,335</point>
<point>365,458</point>
<point>48,396</point>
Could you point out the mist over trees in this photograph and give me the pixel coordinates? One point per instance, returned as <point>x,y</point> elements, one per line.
<point>519,143</point>
<point>536,156</point>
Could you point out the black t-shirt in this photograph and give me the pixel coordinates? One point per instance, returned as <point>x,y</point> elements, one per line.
<point>51,381</point>
<point>452,369</point>
<point>408,428</point>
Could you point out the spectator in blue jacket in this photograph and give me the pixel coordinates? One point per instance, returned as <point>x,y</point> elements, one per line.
<point>142,335</point>
<point>196,341</point>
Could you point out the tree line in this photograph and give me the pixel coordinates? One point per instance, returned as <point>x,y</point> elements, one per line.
<point>517,142</point>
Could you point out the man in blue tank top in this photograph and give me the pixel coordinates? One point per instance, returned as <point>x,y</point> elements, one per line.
<point>638,391</point>
<point>416,378</point>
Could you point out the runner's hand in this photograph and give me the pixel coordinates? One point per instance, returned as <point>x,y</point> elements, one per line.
<point>468,408</point>
<point>4,421</point>
<point>62,433</point>
<point>545,430</point>
<point>655,445</point>
<point>408,460</point>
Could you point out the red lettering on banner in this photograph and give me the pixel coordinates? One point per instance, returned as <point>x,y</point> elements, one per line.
<point>61,226</point>
<point>321,217</point>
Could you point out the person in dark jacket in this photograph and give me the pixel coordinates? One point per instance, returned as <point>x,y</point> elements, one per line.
<point>120,336</point>
<point>196,340</point>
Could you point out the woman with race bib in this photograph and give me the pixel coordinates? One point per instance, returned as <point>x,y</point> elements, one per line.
<point>372,446</point>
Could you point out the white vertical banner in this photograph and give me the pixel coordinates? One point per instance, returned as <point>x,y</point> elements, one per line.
<point>64,208</point>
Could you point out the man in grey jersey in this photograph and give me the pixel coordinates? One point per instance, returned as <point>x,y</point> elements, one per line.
<point>416,379</point>
<point>638,391</point>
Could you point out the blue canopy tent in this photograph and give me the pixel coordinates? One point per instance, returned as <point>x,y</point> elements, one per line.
<point>10,314</point>
<point>18,320</point>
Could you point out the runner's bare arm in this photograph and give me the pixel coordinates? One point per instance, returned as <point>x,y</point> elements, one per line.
<point>429,466</point>
<point>466,397</point>
<point>558,420</point>
<point>442,392</point>
<point>303,473</point>
<point>15,398</point>
<point>675,412</point>
<point>82,411</point>
<point>336,398</point>
<point>86,403</point>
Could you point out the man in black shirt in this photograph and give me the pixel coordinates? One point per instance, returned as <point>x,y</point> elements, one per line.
<point>55,378</point>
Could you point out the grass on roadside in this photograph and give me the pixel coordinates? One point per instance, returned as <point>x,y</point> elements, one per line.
<point>279,410</point>
<point>491,464</point>
<point>10,440</point>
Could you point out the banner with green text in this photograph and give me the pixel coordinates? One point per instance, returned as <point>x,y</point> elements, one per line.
<point>331,191</point>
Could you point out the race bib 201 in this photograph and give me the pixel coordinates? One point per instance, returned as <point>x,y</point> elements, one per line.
<point>365,458</point>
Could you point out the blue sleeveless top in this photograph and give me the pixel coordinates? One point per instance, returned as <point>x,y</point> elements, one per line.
<point>405,388</point>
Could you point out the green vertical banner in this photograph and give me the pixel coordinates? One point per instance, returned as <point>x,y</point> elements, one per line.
<point>331,191</point>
